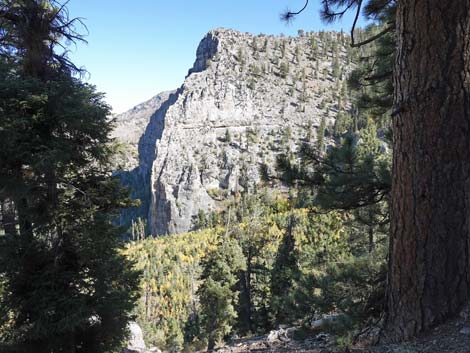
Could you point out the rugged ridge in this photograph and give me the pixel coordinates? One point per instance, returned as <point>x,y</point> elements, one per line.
<point>246,99</point>
<point>130,126</point>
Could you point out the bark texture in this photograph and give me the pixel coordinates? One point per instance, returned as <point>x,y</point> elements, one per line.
<point>429,278</point>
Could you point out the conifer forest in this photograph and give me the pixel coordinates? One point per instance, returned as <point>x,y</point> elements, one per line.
<point>301,193</point>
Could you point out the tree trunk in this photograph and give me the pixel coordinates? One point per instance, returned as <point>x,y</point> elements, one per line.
<point>371,239</point>
<point>429,274</point>
<point>249,293</point>
<point>245,299</point>
<point>8,223</point>
<point>211,342</point>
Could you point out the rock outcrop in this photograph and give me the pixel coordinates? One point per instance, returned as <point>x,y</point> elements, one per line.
<point>246,99</point>
<point>136,343</point>
<point>130,126</point>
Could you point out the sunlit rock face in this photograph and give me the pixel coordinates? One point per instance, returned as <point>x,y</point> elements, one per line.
<point>247,99</point>
<point>135,342</point>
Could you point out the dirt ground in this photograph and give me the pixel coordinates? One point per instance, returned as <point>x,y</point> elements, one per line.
<point>453,337</point>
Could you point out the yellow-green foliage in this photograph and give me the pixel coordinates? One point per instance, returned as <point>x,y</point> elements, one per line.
<point>171,265</point>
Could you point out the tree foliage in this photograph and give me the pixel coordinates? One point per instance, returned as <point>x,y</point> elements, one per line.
<point>217,294</point>
<point>183,272</point>
<point>67,287</point>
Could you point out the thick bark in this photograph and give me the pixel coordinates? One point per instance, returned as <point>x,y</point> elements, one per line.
<point>429,275</point>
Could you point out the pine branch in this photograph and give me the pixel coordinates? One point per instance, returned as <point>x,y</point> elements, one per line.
<point>287,16</point>
<point>371,39</point>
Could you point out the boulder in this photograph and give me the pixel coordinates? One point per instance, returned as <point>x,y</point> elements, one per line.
<point>136,343</point>
<point>281,335</point>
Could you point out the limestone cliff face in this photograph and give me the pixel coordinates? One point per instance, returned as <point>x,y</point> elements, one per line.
<point>246,99</point>
<point>131,125</point>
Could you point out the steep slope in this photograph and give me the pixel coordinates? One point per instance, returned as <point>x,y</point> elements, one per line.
<point>246,99</point>
<point>130,126</point>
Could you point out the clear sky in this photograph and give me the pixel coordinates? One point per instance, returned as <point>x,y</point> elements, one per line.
<point>139,48</point>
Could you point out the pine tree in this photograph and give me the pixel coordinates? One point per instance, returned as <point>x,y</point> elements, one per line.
<point>250,233</point>
<point>320,143</point>
<point>241,58</point>
<point>284,69</point>
<point>353,176</point>
<point>430,190</point>
<point>265,45</point>
<point>419,230</point>
<point>285,275</point>
<point>372,79</point>
<point>428,232</point>
<point>336,69</point>
<point>283,48</point>
<point>216,294</point>
<point>254,47</point>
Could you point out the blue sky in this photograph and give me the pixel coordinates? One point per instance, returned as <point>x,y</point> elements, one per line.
<point>139,48</point>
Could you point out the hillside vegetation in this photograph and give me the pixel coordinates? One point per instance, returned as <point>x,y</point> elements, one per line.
<point>298,238</point>
<point>296,264</point>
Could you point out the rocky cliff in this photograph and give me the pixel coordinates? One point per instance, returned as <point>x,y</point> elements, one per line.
<point>131,125</point>
<point>246,99</point>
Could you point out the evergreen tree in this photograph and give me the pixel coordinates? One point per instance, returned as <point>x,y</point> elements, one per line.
<point>284,278</point>
<point>372,79</point>
<point>228,136</point>
<point>138,229</point>
<point>265,45</point>
<point>216,294</point>
<point>343,123</point>
<point>320,143</point>
<point>284,69</point>
<point>172,266</point>
<point>250,233</point>
<point>67,286</point>
<point>336,69</point>
<point>241,58</point>
<point>313,47</point>
<point>254,47</point>
<point>353,176</point>
<point>429,208</point>
<point>283,48</point>
<point>426,242</point>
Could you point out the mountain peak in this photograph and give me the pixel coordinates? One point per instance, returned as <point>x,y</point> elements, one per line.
<point>247,99</point>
